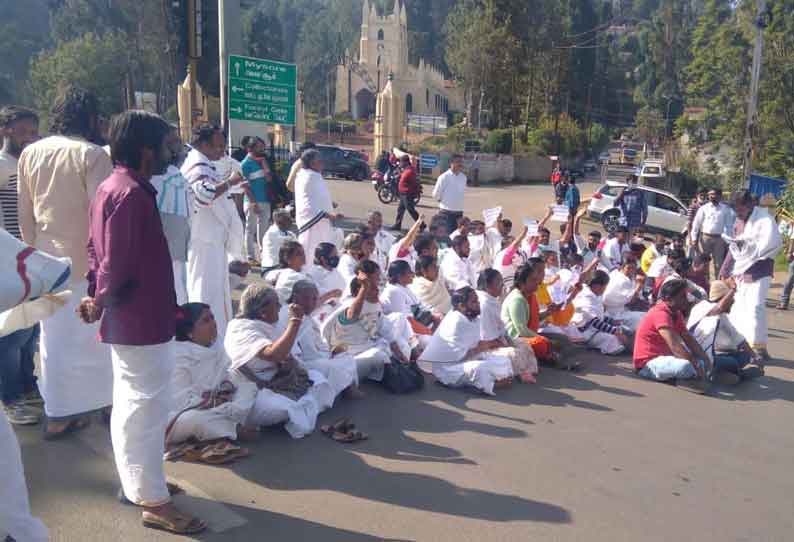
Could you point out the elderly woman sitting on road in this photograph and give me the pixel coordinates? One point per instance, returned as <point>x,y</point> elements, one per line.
<point>260,351</point>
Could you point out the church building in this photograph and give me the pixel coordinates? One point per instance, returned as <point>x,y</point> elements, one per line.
<point>384,50</point>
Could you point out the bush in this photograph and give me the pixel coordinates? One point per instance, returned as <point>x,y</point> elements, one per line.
<point>499,141</point>
<point>336,127</point>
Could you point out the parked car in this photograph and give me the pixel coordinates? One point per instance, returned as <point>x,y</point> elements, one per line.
<point>343,163</point>
<point>576,173</point>
<point>666,213</point>
<point>589,165</point>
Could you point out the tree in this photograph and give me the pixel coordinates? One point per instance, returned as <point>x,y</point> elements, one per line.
<point>263,33</point>
<point>96,63</point>
<point>650,125</point>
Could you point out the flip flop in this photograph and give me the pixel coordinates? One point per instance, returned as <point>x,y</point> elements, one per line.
<point>340,426</point>
<point>73,427</point>
<point>179,524</point>
<point>349,437</point>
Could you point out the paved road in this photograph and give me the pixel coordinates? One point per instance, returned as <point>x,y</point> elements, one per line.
<point>597,455</point>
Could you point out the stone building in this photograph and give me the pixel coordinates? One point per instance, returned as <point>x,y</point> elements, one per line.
<point>384,50</point>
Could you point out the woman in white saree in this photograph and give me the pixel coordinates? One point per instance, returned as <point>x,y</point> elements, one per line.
<point>208,402</point>
<point>260,352</point>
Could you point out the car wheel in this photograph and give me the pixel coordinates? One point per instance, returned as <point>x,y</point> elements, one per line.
<point>385,194</point>
<point>611,221</point>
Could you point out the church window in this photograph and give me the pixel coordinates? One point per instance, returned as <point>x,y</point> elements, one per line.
<point>380,34</point>
<point>409,103</point>
<point>379,61</point>
<point>427,97</point>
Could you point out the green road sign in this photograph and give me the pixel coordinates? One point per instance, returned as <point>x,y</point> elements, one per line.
<point>262,90</point>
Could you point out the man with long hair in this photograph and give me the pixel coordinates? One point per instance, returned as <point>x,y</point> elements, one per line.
<point>58,177</point>
<point>131,290</point>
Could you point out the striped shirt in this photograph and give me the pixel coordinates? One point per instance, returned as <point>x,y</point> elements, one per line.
<point>9,214</point>
<point>173,195</point>
<point>202,178</point>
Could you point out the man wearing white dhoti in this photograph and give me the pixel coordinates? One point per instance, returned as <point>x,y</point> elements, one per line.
<point>131,289</point>
<point>456,268</point>
<point>314,210</point>
<point>209,403</point>
<point>458,356</point>
<point>599,331</point>
<point>58,177</point>
<point>360,326</point>
<point>625,286</point>
<point>216,235</point>
<point>311,350</point>
<point>261,352</point>
<point>756,242</point>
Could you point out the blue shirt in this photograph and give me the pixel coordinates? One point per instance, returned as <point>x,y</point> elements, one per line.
<point>572,198</point>
<point>255,175</point>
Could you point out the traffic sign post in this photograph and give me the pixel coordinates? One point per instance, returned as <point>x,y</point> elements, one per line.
<point>262,90</point>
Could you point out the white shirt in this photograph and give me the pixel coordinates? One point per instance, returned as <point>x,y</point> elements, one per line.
<point>612,255</point>
<point>311,196</point>
<point>398,298</point>
<point>271,244</point>
<point>584,249</point>
<point>347,267</point>
<point>383,243</point>
<point>458,272</point>
<point>226,167</point>
<point>728,337</point>
<point>449,190</point>
<point>713,220</point>
<point>491,324</point>
<point>619,292</point>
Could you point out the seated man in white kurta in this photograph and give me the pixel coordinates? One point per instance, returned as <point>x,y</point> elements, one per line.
<point>625,286</point>
<point>208,402</point>
<point>311,349</point>
<point>360,327</point>
<point>456,268</point>
<point>457,354</point>
<point>260,352</point>
<point>330,283</point>
<point>599,331</point>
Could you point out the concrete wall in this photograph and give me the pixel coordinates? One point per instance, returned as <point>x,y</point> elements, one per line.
<point>532,168</point>
<point>503,167</point>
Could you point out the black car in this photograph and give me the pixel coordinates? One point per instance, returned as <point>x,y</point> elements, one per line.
<point>343,163</point>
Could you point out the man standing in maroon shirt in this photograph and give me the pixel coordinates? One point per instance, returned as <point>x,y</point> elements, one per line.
<point>131,289</point>
<point>407,189</point>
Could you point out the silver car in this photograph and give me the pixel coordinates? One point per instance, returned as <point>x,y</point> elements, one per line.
<point>666,213</point>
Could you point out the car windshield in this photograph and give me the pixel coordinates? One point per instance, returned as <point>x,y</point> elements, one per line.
<point>629,152</point>
<point>652,170</point>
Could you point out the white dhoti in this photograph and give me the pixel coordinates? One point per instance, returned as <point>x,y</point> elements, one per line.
<point>340,371</point>
<point>480,373</point>
<point>214,423</point>
<point>180,281</point>
<point>521,356</point>
<point>76,372</point>
<point>271,408</point>
<point>630,319</point>
<point>604,342</point>
<point>141,404</point>
<point>748,314</point>
<point>321,232</point>
<point>15,518</point>
<point>370,362</point>
<point>208,280</point>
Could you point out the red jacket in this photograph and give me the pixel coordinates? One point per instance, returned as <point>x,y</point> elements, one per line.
<point>408,182</point>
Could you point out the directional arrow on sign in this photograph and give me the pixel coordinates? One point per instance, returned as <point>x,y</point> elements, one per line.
<point>235,88</point>
<point>237,109</point>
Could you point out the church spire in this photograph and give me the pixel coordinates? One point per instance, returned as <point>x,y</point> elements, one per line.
<point>365,14</point>
<point>403,15</point>
<point>397,8</point>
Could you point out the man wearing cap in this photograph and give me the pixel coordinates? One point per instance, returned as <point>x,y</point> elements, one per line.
<point>729,350</point>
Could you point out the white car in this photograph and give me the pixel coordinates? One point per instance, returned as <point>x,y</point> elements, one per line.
<point>666,213</point>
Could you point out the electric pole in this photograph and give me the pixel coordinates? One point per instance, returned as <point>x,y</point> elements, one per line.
<point>752,104</point>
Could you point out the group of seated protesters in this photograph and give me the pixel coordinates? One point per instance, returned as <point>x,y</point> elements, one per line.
<point>309,333</point>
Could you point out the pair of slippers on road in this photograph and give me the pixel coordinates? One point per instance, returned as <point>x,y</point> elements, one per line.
<point>344,431</point>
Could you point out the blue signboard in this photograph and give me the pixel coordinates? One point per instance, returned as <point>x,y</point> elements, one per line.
<point>428,161</point>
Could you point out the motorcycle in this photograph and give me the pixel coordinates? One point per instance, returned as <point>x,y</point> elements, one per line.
<point>386,186</point>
